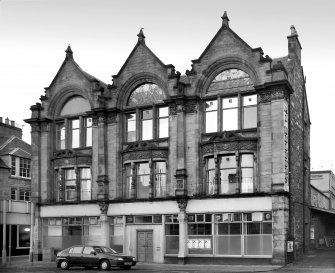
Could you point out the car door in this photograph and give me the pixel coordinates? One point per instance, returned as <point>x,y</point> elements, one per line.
<point>90,256</point>
<point>75,257</point>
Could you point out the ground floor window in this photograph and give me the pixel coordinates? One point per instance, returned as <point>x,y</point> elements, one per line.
<point>23,236</point>
<point>62,232</point>
<point>230,234</point>
<point>171,234</point>
<point>116,232</point>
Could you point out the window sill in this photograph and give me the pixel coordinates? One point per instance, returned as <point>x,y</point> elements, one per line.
<point>20,177</point>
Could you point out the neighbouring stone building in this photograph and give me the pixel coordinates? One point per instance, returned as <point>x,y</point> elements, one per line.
<point>15,189</point>
<point>322,232</point>
<point>210,166</point>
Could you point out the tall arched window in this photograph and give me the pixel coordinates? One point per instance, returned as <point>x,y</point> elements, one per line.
<point>151,118</point>
<point>235,107</point>
<point>74,128</point>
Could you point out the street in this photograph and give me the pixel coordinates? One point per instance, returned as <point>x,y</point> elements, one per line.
<point>318,261</point>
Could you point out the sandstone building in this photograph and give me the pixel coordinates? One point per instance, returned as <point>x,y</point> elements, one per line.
<point>211,166</point>
<point>15,189</point>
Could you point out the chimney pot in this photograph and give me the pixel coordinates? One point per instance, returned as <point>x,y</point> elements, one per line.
<point>12,123</point>
<point>7,121</point>
<point>1,120</point>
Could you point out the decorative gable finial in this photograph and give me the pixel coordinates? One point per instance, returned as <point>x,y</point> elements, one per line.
<point>293,31</point>
<point>225,19</point>
<point>69,52</point>
<point>141,37</point>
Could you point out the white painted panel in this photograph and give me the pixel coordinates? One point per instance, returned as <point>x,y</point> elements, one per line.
<point>130,247</point>
<point>17,219</point>
<point>70,210</point>
<point>230,205</point>
<point>161,207</point>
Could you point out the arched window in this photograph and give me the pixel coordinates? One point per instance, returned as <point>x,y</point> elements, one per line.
<point>151,122</point>
<point>145,94</point>
<point>232,110</point>
<point>74,130</point>
<point>75,105</point>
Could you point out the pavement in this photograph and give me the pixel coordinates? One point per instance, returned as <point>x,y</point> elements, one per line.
<point>320,261</point>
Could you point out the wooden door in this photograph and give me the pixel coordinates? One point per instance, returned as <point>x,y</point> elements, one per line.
<point>145,246</point>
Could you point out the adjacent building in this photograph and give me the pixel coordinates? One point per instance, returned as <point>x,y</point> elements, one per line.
<point>322,209</point>
<point>15,189</point>
<point>210,166</point>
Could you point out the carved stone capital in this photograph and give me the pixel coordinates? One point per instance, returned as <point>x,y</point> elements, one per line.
<point>103,207</point>
<point>182,203</point>
<point>275,93</point>
<point>184,106</point>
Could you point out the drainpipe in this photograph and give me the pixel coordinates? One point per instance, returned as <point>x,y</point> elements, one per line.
<point>4,254</point>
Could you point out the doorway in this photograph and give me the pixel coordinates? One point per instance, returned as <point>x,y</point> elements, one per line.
<point>145,246</point>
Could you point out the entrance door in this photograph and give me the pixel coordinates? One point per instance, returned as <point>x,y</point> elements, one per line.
<point>144,246</point>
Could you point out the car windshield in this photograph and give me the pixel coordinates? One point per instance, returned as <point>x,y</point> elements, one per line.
<point>105,250</point>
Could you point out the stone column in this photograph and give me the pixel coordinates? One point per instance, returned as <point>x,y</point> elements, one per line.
<point>104,223</point>
<point>280,222</point>
<point>182,218</point>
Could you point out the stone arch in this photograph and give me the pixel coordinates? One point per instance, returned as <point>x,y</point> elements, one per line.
<point>139,79</point>
<point>58,101</point>
<point>221,65</point>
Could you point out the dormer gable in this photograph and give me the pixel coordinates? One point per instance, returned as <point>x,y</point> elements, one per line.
<point>142,60</point>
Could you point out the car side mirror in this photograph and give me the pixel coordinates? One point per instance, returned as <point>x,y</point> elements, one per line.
<point>93,252</point>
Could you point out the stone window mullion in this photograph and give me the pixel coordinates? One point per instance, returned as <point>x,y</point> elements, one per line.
<point>78,188</point>
<point>138,124</point>
<point>238,172</point>
<point>219,124</point>
<point>240,111</point>
<point>133,180</point>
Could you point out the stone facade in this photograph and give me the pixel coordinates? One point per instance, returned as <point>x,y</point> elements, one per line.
<point>187,170</point>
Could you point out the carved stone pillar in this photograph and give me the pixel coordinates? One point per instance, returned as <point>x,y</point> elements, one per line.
<point>104,224</point>
<point>182,218</point>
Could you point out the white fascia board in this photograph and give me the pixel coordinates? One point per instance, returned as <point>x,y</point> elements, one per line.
<point>70,210</point>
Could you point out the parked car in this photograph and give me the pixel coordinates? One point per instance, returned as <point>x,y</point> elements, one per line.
<point>93,256</point>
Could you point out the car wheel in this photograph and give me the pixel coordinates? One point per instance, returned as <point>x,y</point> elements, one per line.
<point>64,264</point>
<point>104,265</point>
<point>127,267</point>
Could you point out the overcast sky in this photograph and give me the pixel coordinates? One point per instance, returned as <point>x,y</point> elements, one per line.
<point>35,33</point>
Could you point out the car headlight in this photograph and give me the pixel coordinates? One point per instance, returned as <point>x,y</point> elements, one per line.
<point>134,260</point>
<point>119,259</point>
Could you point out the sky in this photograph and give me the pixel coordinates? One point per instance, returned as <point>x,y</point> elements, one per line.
<point>35,33</point>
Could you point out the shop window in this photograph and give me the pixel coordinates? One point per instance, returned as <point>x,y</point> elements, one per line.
<point>153,121</point>
<point>23,236</point>
<point>74,129</point>
<point>171,234</point>
<point>116,233</point>
<point>200,239</point>
<point>258,234</point>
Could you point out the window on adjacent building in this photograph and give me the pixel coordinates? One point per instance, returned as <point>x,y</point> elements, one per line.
<point>74,130</point>
<point>24,195</point>
<point>150,122</point>
<point>23,236</point>
<point>20,166</point>
<point>24,167</point>
<point>142,173</point>
<point>13,166</point>
<point>238,111</point>
<point>13,194</point>
<point>235,176</point>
